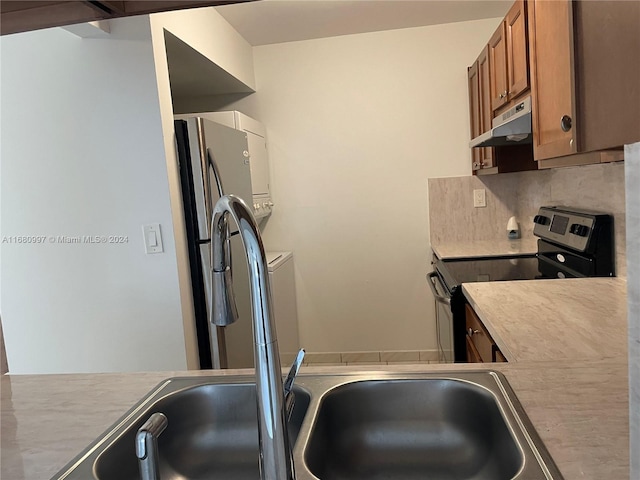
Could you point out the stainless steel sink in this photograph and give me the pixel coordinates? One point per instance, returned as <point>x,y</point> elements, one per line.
<point>373,425</point>
<point>212,433</point>
<point>412,429</point>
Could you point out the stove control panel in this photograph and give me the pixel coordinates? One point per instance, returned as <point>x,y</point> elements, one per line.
<point>571,228</point>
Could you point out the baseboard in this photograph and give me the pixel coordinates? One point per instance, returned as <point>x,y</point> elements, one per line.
<point>387,357</point>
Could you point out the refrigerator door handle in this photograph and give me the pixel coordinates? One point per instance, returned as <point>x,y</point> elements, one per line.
<point>216,174</point>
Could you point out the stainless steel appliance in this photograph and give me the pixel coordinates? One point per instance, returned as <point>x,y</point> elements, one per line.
<point>508,128</point>
<point>257,148</point>
<point>572,243</point>
<point>213,157</point>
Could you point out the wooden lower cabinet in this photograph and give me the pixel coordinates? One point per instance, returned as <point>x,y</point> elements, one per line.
<point>498,356</point>
<point>480,346</point>
<point>472,352</point>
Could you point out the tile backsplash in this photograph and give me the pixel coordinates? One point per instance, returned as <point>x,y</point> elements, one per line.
<point>453,218</point>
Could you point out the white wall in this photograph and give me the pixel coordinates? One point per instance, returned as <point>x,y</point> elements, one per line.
<point>83,154</point>
<point>207,32</point>
<point>356,125</point>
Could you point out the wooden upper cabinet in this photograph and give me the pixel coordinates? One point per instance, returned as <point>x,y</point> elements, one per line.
<point>517,49</point>
<point>585,59</point>
<point>491,160</point>
<point>509,57</point>
<point>486,117</point>
<point>498,68</point>
<point>474,111</point>
<point>552,78</point>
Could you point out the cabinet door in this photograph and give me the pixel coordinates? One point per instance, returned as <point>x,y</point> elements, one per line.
<point>472,354</point>
<point>478,336</point>
<point>517,51</point>
<point>474,111</point>
<point>486,112</point>
<point>498,68</point>
<point>552,78</point>
<point>498,357</point>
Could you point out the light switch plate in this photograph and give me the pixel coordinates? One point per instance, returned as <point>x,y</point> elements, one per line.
<point>152,238</point>
<point>479,198</point>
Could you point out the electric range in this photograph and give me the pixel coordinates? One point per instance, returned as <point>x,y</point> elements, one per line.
<point>572,243</point>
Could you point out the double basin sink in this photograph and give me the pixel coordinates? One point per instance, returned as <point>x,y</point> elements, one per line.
<point>453,426</point>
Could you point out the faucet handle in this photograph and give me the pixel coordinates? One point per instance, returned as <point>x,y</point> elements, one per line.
<point>293,372</point>
<point>147,446</point>
<point>289,395</point>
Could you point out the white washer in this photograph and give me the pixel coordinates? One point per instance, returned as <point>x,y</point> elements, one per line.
<point>285,308</point>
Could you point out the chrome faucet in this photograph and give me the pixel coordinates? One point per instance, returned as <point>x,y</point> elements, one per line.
<point>276,460</point>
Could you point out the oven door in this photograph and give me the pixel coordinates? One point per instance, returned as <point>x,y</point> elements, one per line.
<point>444,318</point>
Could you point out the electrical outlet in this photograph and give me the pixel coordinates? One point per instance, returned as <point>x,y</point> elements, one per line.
<point>479,198</point>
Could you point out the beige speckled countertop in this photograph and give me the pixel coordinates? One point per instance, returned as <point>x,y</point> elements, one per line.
<point>486,248</point>
<point>559,320</point>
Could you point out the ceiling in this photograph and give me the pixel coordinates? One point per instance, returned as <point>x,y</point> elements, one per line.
<point>276,21</point>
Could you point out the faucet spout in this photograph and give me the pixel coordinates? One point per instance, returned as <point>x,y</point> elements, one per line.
<point>276,460</point>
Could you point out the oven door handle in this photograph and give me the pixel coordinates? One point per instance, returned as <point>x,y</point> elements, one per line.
<point>431,280</point>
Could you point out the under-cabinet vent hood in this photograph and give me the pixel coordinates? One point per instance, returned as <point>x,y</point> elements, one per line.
<point>512,127</point>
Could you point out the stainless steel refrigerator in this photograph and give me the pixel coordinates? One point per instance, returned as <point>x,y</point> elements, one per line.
<point>214,157</point>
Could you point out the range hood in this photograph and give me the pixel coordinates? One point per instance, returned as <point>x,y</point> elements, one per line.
<point>512,127</point>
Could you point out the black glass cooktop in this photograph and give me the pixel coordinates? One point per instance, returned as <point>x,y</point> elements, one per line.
<point>489,270</point>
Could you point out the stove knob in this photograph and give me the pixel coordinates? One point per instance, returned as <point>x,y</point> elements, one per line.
<point>579,230</point>
<point>541,220</point>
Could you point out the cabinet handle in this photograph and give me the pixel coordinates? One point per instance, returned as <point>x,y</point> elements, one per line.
<point>503,94</point>
<point>471,332</point>
<point>565,123</point>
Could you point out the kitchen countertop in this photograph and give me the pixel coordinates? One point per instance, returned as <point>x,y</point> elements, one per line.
<point>579,409</point>
<point>486,248</point>
<point>557,320</point>
<point>572,382</point>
